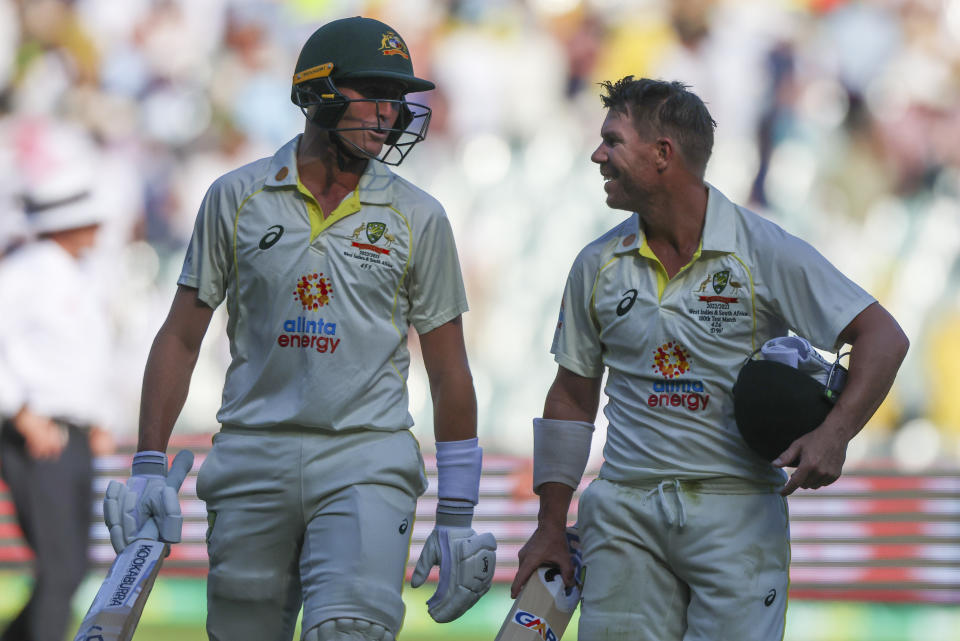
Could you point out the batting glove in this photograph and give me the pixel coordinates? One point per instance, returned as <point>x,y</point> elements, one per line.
<point>147,506</point>
<point>466,561</point>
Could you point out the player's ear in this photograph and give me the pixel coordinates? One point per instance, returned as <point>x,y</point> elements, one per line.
<point>665,153</point>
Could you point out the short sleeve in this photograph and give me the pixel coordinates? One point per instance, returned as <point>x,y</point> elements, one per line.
<point>206,266</point>
<point>435,285</point>
<point>576,340</point>
<point>814,298</point>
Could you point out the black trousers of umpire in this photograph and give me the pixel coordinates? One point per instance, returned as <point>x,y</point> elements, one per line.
<point>53,500</point>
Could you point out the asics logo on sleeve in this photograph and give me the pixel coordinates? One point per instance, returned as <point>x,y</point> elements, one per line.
<point>271,237</point>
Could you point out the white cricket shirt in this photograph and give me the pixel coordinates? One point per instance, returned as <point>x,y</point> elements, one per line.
<point>55,336</point>
<point>318,308</point>
<point>674,347</point>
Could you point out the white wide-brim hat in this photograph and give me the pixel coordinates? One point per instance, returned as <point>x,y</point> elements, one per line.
<point>61,202</point>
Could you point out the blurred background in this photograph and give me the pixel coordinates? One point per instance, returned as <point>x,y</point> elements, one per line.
<point>837,119</point>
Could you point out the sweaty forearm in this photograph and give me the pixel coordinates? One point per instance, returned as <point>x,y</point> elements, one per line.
<point>572,397</point>
<point>554,504</point>
<point>877,351</point>
<point>454,406</point>
<point>166,382</point>
<point>873,367</point>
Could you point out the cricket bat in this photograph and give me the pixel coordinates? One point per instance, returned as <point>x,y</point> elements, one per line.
<point>544,606</point>
<point>116,609</point>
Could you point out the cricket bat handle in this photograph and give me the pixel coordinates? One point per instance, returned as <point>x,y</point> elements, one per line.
<point>544,607</point>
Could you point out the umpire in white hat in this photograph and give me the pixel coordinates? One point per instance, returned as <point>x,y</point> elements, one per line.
<point>54,358</point>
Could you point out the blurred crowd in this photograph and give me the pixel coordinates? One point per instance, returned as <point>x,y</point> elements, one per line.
<point>837,119</point>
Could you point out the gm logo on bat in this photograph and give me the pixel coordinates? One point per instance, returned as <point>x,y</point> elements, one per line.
<point>535,623</point>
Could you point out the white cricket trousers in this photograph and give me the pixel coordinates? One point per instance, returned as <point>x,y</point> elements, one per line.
<point>684,561</point>
<point>299,516</point>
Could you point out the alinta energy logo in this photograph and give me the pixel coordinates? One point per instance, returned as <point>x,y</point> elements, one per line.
<point>314,291</point>
<point>305,333</point>
<point>671,360</point>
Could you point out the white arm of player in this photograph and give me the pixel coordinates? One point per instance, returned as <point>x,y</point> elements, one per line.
<point>466,559</point>
<point>147,507</point>
<point>560,451</point>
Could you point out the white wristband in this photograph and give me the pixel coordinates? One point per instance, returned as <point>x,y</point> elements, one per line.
<point>458,470</point>
<point>560,451</point>
<point>149,463</point>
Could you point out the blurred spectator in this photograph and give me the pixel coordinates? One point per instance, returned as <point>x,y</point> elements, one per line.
<point>837,119</point>
<point>54,360</point>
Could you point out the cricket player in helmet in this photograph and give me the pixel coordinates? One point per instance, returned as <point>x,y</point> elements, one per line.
<point>325,258</point>
<point>330,60</point>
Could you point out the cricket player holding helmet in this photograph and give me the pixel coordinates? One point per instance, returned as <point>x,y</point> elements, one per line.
<point>325,258</point>
<point>670,303</point>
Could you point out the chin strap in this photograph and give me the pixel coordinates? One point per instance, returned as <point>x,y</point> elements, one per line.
<point>343,151</point>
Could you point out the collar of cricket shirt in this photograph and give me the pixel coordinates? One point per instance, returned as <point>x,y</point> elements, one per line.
<point>376,186</point>
<point>282,171</point>
<point>720,226</point>
<point>630,237</point>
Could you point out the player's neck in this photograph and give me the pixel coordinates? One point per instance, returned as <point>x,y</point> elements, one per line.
<point>673,224</point>
<point>325,170</point>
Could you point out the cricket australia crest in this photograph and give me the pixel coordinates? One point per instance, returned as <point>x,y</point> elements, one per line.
<point>720,280</point>
<point>369,252</point>
<point>375,231</point>
<point>723,309</point>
